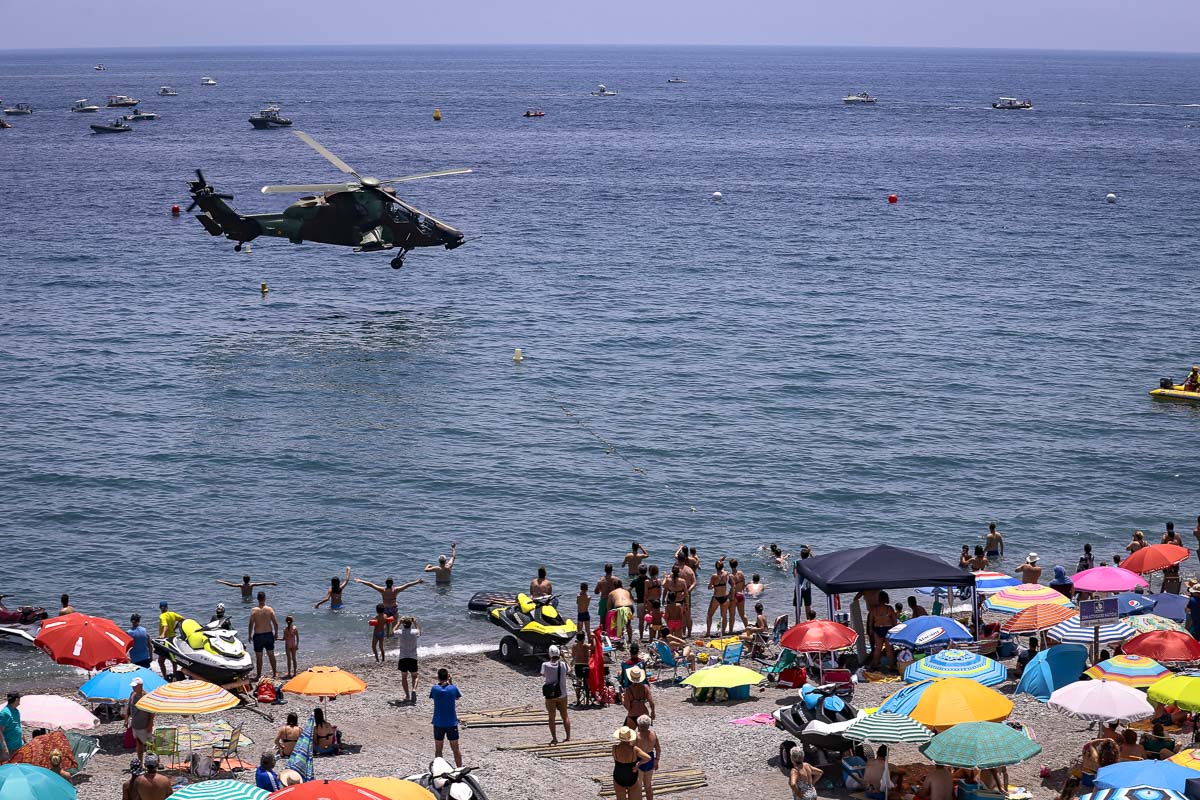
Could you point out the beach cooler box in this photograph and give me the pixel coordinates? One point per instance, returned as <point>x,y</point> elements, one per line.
<point>1007,647</point>
<point>739,693</point>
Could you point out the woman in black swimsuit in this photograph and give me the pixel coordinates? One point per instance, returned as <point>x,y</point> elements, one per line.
<point>881,619</point>
<point>719,583</point>
<point>626,772</point>
<point>288,735</point>
<point>334,594</point>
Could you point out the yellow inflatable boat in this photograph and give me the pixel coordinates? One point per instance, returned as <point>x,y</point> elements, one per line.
<point>1175,392</point>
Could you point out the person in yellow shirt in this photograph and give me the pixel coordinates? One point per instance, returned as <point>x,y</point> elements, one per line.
<point>1192,382</point>
<point>168,627</point>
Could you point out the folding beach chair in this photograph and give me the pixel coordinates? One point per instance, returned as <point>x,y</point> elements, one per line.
<point>165,745</point>
<point>227,751</point>
<point>779,628</point>
<point>666,659</point>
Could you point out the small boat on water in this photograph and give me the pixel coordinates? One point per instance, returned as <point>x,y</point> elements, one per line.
<point>20,109</point>
<point>121,101</point>
<point>604,91</point>
<point>676,80</point>
<point>116,126</point>
<point>1012,104</point>
<point>100,68</point>
<point>1179,392</point>
<point>166,91</point>
<point>270,117</point>
<point>138,116</point>
<point>207,81</point>
<point>534,112</point>
<point>5,124</point>
<point>82,106</point>
<point>857,99</point>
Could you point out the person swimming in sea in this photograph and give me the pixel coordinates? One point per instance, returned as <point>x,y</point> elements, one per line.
<point>334,593</point>
<point>247,588</point>
<point>441,570</point>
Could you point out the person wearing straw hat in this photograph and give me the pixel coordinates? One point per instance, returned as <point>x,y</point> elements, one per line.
<point>637,699</point>
<point>1030,571</point>
<point>627,761</point>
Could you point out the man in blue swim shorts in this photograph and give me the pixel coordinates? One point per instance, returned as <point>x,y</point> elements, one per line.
<point>264,627</point>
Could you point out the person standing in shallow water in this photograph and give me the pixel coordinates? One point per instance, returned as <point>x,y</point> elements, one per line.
<point>334,594</point>
<point>441,570</point>
<point>980,561</point>
<point>246,587</point>
<point>994,544</point>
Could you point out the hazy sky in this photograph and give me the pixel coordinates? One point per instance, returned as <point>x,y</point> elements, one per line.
<point>1170,25</point>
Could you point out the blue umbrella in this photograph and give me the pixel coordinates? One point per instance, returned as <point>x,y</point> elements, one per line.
<point>1171,606</point>
<point>25,781</point>
<point>957,664</point>
<point>1135,793</point>
<point>1160,774</point>
<point>115,684</point>
<point>928,632</point>
<point>904,701</point>
<point>1134,603</point>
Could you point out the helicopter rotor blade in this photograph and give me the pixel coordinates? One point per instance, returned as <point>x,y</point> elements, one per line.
<point>330,157</point>
<point>423,175</point>
<point>308,188</point>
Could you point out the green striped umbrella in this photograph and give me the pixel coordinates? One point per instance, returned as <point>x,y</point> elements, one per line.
<point>884,727</point>
<point>220,790</point>
<point>980,745</point>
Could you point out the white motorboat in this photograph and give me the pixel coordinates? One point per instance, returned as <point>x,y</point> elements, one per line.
<point>121,101</point>
<point>138,115</point>
<point>82,106</point>
<point>1012,104</point>
<point>676,80</point>
<point>19,109</point>
<point>207,81</point>
<point>604,91</point>
<point>861,97</point>
<point>270,117</point>
<point>166,91</point>
<point>99,67</point>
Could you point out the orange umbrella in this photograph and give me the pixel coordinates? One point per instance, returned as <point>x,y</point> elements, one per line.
<point>1155,558</point>
<point>1038,617</point>
<point>325,682</point>
<point>82,641</point>
<point>953,700</point>
<point>39,749</point>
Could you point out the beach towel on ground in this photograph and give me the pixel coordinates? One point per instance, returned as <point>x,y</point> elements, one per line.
<point>756,719</point>
<point>301,759</point>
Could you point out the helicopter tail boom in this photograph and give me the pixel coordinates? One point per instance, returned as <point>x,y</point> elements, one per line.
<point>218,217</point>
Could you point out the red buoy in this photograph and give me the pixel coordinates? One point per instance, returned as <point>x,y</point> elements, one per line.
<point>175,211</point>
<point>893,199</point>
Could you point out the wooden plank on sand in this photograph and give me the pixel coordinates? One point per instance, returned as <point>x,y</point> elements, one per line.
<point>665,781</point>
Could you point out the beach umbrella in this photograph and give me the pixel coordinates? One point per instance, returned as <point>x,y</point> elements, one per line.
<point>326,790</point>
<point>1037,618</point>
<point>884,727</point>
<point>220,790</point>
<point>1166,647</point>
<point>187,697</point>
<point>1171,606</point>
<point>1155,558</point>
<point>985,583</point>
<point>38,750</point>
<point>301,759</point>
<point>957,664</point>
<point>923,633</point>
<point>82,641</point>
<point>1181,690</point>
<point>115,684</point>
<point>1135,793</point>
<point>1012,599</point>
<point>394,788</point>
<point>26,782</point>
<point>1133,603</point>
<point>1071,632</point>
<point>52,711</point>
<point>1144,623</point>
<point>325,682</point>
<point>1101,700</point>
<point>818,636</point>
<point>904,700</point>
<point>1160,774</point>
<point>725,676</point>
<point>980,745</point>
<point>1189,758</point>
<point>1136,671</point>
<point>1107,580</point>
<point>951,701</point>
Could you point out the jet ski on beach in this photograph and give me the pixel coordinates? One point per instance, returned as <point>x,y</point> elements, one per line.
<point>19,626</point>
<point>215,655</point>
<point>532,625</point>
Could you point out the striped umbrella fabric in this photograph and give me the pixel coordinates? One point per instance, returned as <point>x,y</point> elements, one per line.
<point>884,727</point>
<point>301,759</point>
<point>1037,618</point>
<point>1189,758</point>
<point>1144,623</point>
<point>1017,598</point>
<point>220,790</point>
<point>1135,793</point>
<point>904,700</point>
<point>957,664</point>
<point>1071,632</point>
<point>187,697</point>
<point>980,745</point>
<point>1136,671</point>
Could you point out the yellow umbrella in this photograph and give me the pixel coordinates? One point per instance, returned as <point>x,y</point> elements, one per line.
<point>187,697</point>
<point>950,701</point>
<point>394,788</point>
<point>324,682</point>
<point>726,676</point>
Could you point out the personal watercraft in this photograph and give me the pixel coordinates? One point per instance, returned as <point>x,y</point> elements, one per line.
<point>216,656</point>
<point>19,626</point>
<point>448,783</point>
<point>819,720</point>
<point>532,625</point>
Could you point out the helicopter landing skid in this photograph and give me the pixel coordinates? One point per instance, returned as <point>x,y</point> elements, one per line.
<point>398,261</point>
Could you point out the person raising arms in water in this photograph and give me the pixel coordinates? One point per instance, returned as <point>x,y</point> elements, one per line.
<point>334,593</point>
<point>441,570</point>
<point>246,586</point>
<point>388,593</point>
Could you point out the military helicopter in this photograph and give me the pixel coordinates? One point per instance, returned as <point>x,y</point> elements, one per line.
<point>364,213</point>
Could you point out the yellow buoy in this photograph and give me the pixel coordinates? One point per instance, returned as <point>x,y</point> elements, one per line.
<point>437,115</point>
<point>517,356</point>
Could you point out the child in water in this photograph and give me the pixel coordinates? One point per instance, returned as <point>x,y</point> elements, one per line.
<point>291,644</point>
<point>379,628</point>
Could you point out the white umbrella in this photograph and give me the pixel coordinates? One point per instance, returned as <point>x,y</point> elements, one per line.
<point>1101,700</point>
<point>51,711</point>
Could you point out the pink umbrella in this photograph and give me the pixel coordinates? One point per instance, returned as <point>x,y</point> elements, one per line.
<point>1107,579</point>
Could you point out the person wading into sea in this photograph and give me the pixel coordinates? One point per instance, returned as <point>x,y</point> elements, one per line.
<point>994,544</point>
<point>387,594</point>
<point>247,588</point>
<point>334,593</point>
<point>264,629</point>
<point>441,570</point>
<point>634,558</point>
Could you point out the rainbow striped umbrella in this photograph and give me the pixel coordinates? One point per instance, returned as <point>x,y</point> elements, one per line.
<point>220,790</point>
<point>1136,671</point>
<point>1017,598</point>
<point>1071,632</point>
<point>957,664</point>
<point>187,697</point>
<point>1144,623</point>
